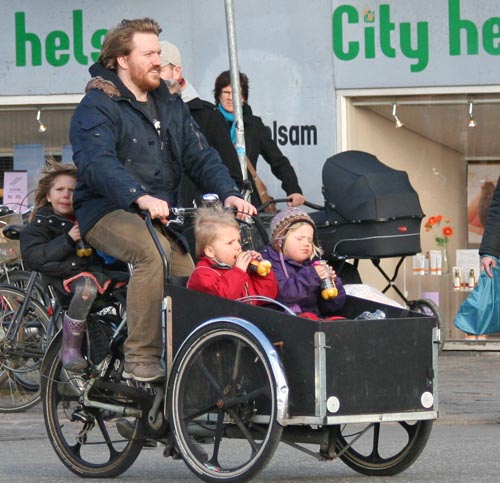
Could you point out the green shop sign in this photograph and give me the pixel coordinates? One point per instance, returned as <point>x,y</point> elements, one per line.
<point>58,46</point>
<point>371,34</point>
<point>356,34</point>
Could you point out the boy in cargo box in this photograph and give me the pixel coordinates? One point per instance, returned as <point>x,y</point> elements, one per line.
<point>223,269</point>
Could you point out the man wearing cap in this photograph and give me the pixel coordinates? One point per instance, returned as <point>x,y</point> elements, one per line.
<point>208,118</point>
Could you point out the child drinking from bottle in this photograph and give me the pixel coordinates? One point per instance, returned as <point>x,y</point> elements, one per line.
<point>307,285</point>
<point>223,269</point>
<point>51,244</point>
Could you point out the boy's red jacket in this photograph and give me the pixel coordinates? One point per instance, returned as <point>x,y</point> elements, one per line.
<point>231,283</point>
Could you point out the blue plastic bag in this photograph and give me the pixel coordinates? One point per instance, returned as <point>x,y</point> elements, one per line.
<point>480,312</point>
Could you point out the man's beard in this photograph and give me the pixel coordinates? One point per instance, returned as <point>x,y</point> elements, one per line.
<point>143,81</point>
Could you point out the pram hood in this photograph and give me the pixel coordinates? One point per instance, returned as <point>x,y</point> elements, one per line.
<point>358,187</point>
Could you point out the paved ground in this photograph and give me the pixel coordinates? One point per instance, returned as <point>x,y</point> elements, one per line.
<point>469,387</point>
<point>469,393</point>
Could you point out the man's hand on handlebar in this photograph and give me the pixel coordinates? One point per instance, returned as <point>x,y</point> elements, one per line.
<point>243,209</point>
<point>295,199</point>
<point>290,202</point>
<point>156,207</point>
<point>159,209</point>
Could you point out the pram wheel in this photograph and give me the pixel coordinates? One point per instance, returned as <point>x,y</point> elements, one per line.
<point>428,307</point>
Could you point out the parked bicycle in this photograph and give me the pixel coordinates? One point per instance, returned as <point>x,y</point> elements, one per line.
<point>10,252</point>
<point>24,337</point>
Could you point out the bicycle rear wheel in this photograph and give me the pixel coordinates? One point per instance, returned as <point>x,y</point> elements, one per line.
<point>20,278</point>
<point>87,439</point>
<point>21,354</point>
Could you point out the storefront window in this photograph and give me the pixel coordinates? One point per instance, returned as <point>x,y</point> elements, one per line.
<point>442,142</point>
<point>24,126</point>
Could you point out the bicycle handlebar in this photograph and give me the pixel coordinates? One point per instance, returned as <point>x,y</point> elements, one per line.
<point>314,206</point>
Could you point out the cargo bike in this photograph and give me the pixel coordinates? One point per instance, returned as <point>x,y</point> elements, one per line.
<point>240,379</point>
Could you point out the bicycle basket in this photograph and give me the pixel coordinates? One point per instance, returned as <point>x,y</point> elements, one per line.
<point>10,250</point>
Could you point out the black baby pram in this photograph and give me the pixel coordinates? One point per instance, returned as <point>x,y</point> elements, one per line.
<point>371,212</point>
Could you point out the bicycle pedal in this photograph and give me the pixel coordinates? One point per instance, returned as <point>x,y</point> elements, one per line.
<point>79,416</point>
<point>171,450</point>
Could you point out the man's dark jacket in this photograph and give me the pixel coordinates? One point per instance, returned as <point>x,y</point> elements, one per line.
<point>490,244</point>
<point>121,156</point>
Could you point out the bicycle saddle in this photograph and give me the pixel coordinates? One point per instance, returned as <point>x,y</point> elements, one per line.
<point>13,232</point>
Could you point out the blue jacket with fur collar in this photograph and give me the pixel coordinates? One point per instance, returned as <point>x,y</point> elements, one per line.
<point>121,155</point>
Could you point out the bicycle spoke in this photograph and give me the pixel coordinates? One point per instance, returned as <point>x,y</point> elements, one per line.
<point>211,380</point>
<point>219,431</point>
<point>237,361</point>
<point>104,431</point>
<point>245,431</point>
<point>376,440</point>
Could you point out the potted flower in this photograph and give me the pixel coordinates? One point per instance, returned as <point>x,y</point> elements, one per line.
<point>443,231</point>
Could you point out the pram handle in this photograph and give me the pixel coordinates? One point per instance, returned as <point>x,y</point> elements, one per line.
<point>274,201</point>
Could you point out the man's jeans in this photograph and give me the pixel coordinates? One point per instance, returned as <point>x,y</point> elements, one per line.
<point>125,236</point>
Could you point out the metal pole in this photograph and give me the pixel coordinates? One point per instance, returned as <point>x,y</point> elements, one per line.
<point>235,84</point>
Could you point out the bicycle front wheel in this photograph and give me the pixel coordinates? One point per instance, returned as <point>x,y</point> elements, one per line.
<point>23,341</point>
<point>223,404</point>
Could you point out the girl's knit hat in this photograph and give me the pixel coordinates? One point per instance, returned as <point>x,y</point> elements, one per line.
<point>282,222</point>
